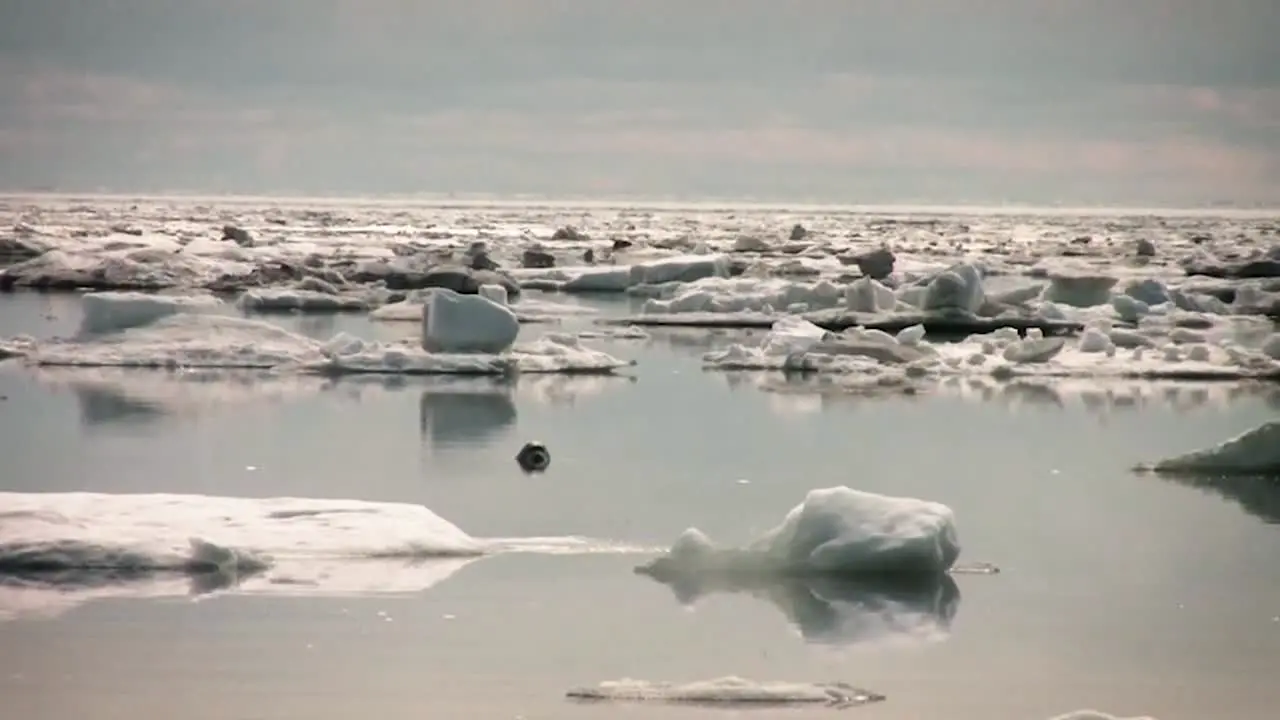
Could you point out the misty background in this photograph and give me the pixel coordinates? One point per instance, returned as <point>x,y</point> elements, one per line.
<point>1113,102</point>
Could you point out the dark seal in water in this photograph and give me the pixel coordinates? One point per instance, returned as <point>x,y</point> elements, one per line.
<point>533,457</point>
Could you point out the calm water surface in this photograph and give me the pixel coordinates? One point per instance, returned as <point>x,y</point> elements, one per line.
<point>1125,593</point>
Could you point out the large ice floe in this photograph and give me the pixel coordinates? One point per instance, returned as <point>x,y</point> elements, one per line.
<point>58,550</point>
<point>1253,452</point>
<point>461,334</point>
<point>834,532</point>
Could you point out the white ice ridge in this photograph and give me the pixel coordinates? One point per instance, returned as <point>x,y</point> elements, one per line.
<point>1245,349</point>
<point>468,335</point>
<point>833,532</point>
<point>733,691</point>
<point>152,543</point>
<point>620,278</point>
<point>1254,452</point>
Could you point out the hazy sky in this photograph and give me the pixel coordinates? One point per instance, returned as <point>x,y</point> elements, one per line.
<point>1093,101</point>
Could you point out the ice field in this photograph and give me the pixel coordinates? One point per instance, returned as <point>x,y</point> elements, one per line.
<point>193,310</point>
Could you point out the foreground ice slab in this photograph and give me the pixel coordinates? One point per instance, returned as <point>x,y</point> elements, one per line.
<point>85,545</point>
<point>837,532</point>
<point>1255,452</point>
<point>728,691</point>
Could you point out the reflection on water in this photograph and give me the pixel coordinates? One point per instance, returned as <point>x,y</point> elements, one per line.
<point>464,411</point>
<point>1258,495</point>
<point>809,392</point>
<point>33,593</point>
<point>837,611</point>
<point>131,396</point>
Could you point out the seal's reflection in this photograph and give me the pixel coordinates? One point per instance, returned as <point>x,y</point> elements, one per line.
<point>465,411</point>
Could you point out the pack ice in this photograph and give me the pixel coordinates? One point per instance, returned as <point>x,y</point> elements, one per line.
<point>461,334</point>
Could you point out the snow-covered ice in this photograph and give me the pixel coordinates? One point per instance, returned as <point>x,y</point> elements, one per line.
<point>1175,346</point>
<point>132,330</point>
<point>356,251</point>
<point>729,690</point>
<point>834,532</point>
<point>453,323</point>
<point>1253,452</point>
<point>78,546</point>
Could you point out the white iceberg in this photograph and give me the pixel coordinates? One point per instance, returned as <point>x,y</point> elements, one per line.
<point>835,532</point>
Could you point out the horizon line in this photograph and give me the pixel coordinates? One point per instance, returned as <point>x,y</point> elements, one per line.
<point>710,203</point>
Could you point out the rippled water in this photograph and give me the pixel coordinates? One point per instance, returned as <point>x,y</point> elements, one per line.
<point>1127,593</point>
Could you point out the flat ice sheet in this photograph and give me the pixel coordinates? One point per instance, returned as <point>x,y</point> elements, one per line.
<point>78,546</point>
<point>201,340</point>
<point>728,691</point>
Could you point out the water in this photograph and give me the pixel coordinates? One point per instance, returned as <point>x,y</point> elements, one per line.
<point>1126,593</point>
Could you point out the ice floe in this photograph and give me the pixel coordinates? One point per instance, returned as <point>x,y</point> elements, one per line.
<point>60,549</point>
<point>833,532</point>
<point>1254,452</point>
<point>729,691</point>
<point>469,335</point>
<point>327,256</point>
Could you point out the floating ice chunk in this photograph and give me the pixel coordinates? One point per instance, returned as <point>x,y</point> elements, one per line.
<point>266,300</point>
<point>957,288</point>
<point>1148,291</point>
<point>792,334</point>
<point>1080,291</point>
<point>835,531</point>
<point>727,691</point>
<point>1033,349</point>
<point>453,323</point>
<point>1129,309</point>
<point>107,312</point>
<point>869,296</point>
<point>911,336</point>
<point>1255,452</point>
<point>620,278</point>
<point>1095,341</point>
<point>495,293</point>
